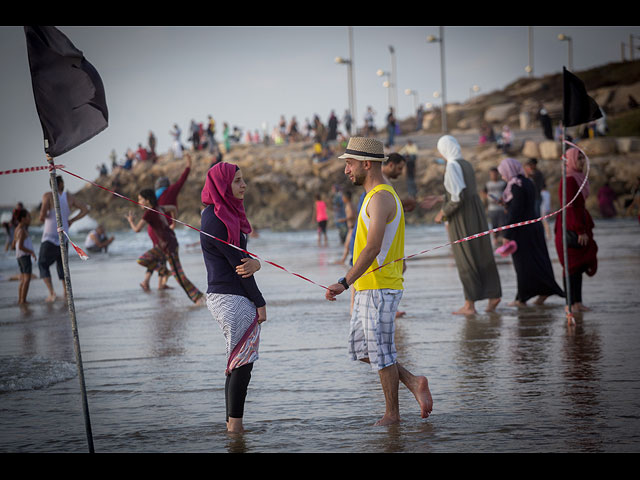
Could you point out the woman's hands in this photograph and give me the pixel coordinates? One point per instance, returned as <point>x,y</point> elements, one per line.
<point>249,267</point>
<point>583,239</point>
<point>262,314</point>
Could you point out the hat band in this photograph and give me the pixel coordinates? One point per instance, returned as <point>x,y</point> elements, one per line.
<point>364,154</point>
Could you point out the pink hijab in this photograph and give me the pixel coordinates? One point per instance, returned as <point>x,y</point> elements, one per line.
<point>510,168</point>
<point>229,209</point>
<point>572,170</point>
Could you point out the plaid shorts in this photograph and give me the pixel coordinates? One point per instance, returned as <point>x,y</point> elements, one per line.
<point>373,327</point>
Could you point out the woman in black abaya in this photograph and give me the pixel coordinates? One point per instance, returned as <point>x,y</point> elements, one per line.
<point>531,260</point>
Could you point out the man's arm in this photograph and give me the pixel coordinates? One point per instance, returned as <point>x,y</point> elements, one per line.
<point>79,205</point>
<point>381,209</point>
<point>45,206</point>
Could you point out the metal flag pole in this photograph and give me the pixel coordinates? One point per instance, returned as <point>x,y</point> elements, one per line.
<point>565,254</point>
<point>70,304</point>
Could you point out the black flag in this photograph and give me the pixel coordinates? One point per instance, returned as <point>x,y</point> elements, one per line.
<point>68,91</point>
<point>579,107</point>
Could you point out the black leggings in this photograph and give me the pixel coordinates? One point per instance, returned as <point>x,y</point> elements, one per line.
<point>575,281</point>
<point>235,390</point>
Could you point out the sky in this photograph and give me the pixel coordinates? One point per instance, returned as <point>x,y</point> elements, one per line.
<point>249,76</point>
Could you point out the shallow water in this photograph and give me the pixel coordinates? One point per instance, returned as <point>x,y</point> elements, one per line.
<point>519,380</point>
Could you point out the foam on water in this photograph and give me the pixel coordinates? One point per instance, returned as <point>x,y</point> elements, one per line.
<point>30,373</point>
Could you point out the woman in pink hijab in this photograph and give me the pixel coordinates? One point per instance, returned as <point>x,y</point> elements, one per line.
<point>233,297</point>
<point>581,247</point>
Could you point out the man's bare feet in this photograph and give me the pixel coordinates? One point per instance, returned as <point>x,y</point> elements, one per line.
<point>51,298</point>
<point>493,303</point>
<point>145,286</point>
<point>423,396</point>
<point>387,420</point>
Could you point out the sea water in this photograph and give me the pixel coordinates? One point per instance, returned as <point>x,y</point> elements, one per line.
<point>518,380</point>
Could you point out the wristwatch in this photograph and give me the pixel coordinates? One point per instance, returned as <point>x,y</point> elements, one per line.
<point>343,282</point>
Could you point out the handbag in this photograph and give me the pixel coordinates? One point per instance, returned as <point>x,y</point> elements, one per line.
<point>572,240</point>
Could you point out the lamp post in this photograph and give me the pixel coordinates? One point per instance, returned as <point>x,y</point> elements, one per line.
<point>433,39</point>
<point>565,38</point>
<point>529,67</point>
<point>394,79</point>
<point>386,84</point>
<point>416,102</point>
<point>349,63</point>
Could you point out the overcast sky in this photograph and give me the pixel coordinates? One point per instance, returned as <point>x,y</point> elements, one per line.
<point>248,76</point>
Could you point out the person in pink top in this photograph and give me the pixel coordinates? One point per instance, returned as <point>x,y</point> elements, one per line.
<point>320,214</point>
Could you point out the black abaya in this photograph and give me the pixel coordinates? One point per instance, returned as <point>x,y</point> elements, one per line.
<point>531,260</point>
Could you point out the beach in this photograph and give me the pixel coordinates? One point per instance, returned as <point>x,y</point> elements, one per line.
<point>517,380</point>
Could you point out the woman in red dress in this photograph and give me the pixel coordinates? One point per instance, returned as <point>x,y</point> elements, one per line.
<point>581,247</point>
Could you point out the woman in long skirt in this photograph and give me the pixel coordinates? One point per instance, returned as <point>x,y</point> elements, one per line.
<point>233,297</point>
<point>464,213</point>
<point>531,260</point>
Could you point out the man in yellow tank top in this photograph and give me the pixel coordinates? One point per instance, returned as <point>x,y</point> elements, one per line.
<point>377,278</point>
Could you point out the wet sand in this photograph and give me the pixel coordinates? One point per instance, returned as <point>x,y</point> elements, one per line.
<point>518,380</point>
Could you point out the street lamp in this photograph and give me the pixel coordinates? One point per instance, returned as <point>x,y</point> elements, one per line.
<point>393,79</point>
<point>529,68</point>
<point>416,102</point>
<point>349,63</point>
<point>433,39</point>
<point>386,84</point>
<point>566,38</point>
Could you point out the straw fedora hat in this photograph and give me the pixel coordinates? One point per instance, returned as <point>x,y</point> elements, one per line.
<point>363,148</point>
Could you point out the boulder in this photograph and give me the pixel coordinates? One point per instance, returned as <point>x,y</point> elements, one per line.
<point>530,149</point>
<point>500,113</point>
<point>627,144</point>
<point>598,146</point>
<point>550,150</point>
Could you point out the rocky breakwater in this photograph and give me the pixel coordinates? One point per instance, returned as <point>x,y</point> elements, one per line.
<point>283,179</point>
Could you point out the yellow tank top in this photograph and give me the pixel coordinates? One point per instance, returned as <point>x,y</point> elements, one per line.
<point>389,276</point>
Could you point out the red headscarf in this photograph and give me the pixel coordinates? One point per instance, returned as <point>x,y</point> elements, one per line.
<point>229,209</point>
<point>572,161</point>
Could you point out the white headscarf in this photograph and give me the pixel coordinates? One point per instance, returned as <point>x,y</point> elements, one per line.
<point>453,178</point>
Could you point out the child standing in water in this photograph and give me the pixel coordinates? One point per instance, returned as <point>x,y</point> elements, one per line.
<point>320,214</point>
<point>24,252</point>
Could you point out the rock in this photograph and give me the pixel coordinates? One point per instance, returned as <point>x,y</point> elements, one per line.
<point>525,120</point>
<point>627,144</point>
<point>530,149</point>
<point>598,146</point>
<point>500,113</point>
<point>550,150</point>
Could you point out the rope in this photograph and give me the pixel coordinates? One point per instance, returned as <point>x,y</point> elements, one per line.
<point>470,237</point>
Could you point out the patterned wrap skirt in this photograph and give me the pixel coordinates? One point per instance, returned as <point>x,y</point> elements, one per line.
<point>238,320</point>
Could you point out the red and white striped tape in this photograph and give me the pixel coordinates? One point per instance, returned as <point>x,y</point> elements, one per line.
<point>78,250</point>
<point>29,169</point>
<point>84,256</point>
<point>499,229</point>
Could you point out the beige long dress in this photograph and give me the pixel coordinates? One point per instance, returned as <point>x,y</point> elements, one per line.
<point>474,258</point>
